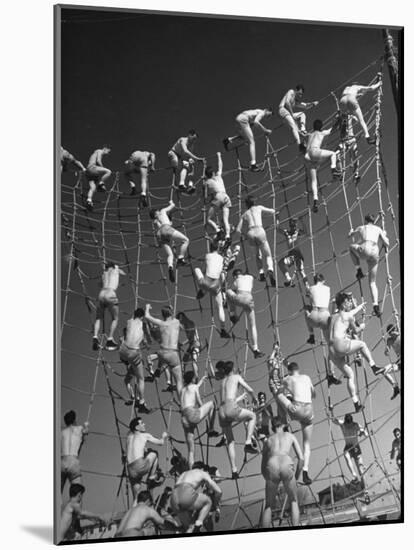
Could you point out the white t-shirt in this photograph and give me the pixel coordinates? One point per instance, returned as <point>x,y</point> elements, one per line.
<point>244,283</point>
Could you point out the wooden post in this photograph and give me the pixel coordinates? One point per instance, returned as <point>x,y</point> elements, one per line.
<point>392,63</point>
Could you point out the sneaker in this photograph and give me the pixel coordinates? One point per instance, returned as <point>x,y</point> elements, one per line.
<point>271,278</point>
<point>226,143</point>
<point>376,370</point>
<point>258,354</point>
<point>157,372</point>
<point>181,187</point>
<point>142,408</point>
<point>197,529</point>
<point>333,380</point>
<point>171,274</point>
<point>371,140</point>
<point>101,188</point>
<point>249,449</point>
<point>311,339</point>
<point>213,433</point>
<point>191,189</point>
<point>336,174</point>
<point>358,406</point>
<point>233,319</point>
<point>357,177</point>
<point>181,262</point>
<point>315,206</point>
<point>144,202</point>
<point>224,333</point>
<point>254,168</point>
<point>377,311</point>
<point>262,277</point>
<point>89,205</point>
<point>221,443</point>
<point>234,475</point>
<point>95,344</point>
<point>169,388</point>
<point>133,191</point>
<point>289,283</point>
<point>395,392</point>
<point>128,403</point>
<point>149,378</point>
<point>200,294</point>
<point>359,274</point>
<point>305,478</point>
<point>111,345</point>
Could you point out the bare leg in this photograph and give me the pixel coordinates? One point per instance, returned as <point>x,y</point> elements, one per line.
<point>182,241</point>
<point>114,311</point>
<point>350,464</point>
<point>170,254</point>
<point>92,189</point>
<point>353,252</point>
<point>289,121</point>
<point>218,298</point>
<point>252,322</point>
<point>210,221</point>
<point>359,345</point>
<point>226,224</point>
<point>350,378</point>
<point>307,436</point>
<point>247,133</point>
<point>291,492</point>
<point>372,277</point>
<point>183,175</point>
<point>178,377</point>
<point>249,417</point>
<point>271,491</point>
<point>284,269</point>
<point>360,117</point>
<point>228,432</point>
<point>266,255</point>
<point>203,506</point>
<point>106,174</point>
<point>144,180</point>
<point>190,446</point>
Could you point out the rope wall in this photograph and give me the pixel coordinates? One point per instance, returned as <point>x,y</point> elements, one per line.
<point>118,230</point>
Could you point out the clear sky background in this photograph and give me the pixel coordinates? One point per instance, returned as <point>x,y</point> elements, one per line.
<point>140,82</point>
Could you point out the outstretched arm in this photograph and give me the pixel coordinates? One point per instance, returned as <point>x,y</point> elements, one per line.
<point>213,485</point>
<point>219,164</point>
<point>78,164</point>
<point>157,441</point>
<point>246,386</point>
<point>150,318</point>
<point>268,210</point>
<point>170,207</point>
<point>156,518</point>
<point>384,238</point>
<point>187,150</point>
<point>257,123</point>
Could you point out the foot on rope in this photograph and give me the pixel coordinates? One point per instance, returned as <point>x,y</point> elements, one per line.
<point>358,406</point>
<point>395,392</point>
<point>142,407</point>
<point>171,274</point>
<point>336,174</point>
<point>101,188</point>
<point>199,295</point>
<point>197,528</point>
<point>333,380</point>
<point>357,178</point>
<point>289,284</point>
<point>169,388</point>
<point>149,378</point>
<point>157,372</point>
<point>143,201</point>
<point>359,274</point>
<point>233,319</point>
<point>111,345</point>
<point>371,140</point>
<point>262,277</point>
<point>213,433</point>
<point>133,190</point>
<point>226,143</point>
<point>224,333</point>
<point>181,262</point>
<point>249,449</point>
<point>234,475</point>
<point>272,279</point>
<point>305,478</point>
<point>255,168</point>
<point>95,344</point>
<point>377,370</point>
<point>311,339</point>
<point>89,205</point>
<point>258,354</point>
<point>221,443</point>
<point>315,206</point>
<point>376,311</point>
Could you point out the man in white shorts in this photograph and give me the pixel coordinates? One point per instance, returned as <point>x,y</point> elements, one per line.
<point>140,163</point>
<point>167,236</point>
<point>241,295</point>
<point>182,159</point>
<point>315,156</point>
<point>256,236</point>
<point>96,173</point>
<point>291,109</point>
<point>108,299</point>
<point>219,200</point>
<point>277,466</point>
<point>71,440</point>
<point>366,248</point>
<point>300,389</point>
<point>245,122</point>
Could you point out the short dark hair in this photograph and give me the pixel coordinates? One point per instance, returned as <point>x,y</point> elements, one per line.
<point>75,489</point>
<point>348,418</point>
<point>293,366</point>
<point>143,496</point>
<point>396,430</point>
<point>300,87</point>
<point>209,172</point>
<point>370,218</point>
<point>270,109</point>
<point>340,298</point>
<point>228,367</point>
<point>108,265</point>
<point>134,423</point>
<point>220,365</point>
<point>277,422</point>
<point>317,124</point>
<point>390,327</point>
<point>260,394</point>
<point>192,132</point>
<point>249,201</point>
<point>188,377</point>
<point>69,418</point>
<point>139,313</point>
<point>236,272</point>
<point>199,465</point>
<point>166,311</point>
<point>152,213</point>
<point>318,278</point>
<point>106,146</point>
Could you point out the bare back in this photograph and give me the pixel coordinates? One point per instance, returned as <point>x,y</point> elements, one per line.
<point>136,517</point>
<point>188,396</point>
<point>339,325</point>
<point>169,331</point>
<point>192,477</point>
<point>162,218</point>
<point>300,385</point>
<point>229,387</point>
<point>95,157</point>
<point>136,446</point>
<point>352,92</point>
<point>315,139</point>
<point>71,440</point>
<point>253,217</point>
<point>320,295</point>
<point>369,232</point>
<point>134,333</point>
<point>110,278</point>
<point>279,444</point>
<point>215,185</point>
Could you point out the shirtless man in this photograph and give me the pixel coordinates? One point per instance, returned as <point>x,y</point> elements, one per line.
<point>192,506</point>
<point>182,158</point>
<point>393,342</point>
<point>292,117</point>
<point>97,173</point>
<point>107,299</point>
<point>300,388</point>
<point>349,105</point>
<point>318,316</point>
<point>219,200</point>
<point>366,248</point>
<point>352,431</point>
<point>68,161</point>
<point>168,352</point>
<point>140,163</point>
<point>193,411</point>
<point>71,441</point>
<point>168,236</point>
<point>315,155</point>
<point>264,414</point>
<point>348,142</point>
<point>256,236</point>
<point>140,462</point>
<point>141,520</point>
<point>230,412</point>
<point>211,282</point>
<point>130,355</point>
<point>245,122</point>
<point>294,257</point>
<point>396,447</point>
<point>341,345</point>
<point>241,295</point>
<point>193,341</point>
<point>72,513</point>
<point>277,466</point>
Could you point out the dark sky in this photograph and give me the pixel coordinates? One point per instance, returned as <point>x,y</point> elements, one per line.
<point>139,81</point>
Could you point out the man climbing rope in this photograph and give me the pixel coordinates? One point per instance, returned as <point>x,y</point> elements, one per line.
<point>190,504</point>
<point>245,122</point>
<point>294,257</point>
<point>366,248</point>
<point>349,105</point>
<point>317,315</point>
<point>168,353</point>
<point>348,143</point>
<point>182,158</point>
<point>108,299</point>
<point>212,282</point>
<point>193,341</point>
<point>167,236</point>
<point>240,295</point>
<point>393,341</point>
<point>292,117</point>
<point>96,173</point>
<point>139,461</point>
<point>264,416</point>
<point>73,512</point>
<point>256,236</point>
<point>219,200</point>
<point>315,155</point>
<point>130,355</point>
<point>140,163</point>
<point>193,411</point>
<point>68,162</point>
<point>296,396</point>
<point>230,412</point>
<point>141,520</point>
<point>71,440</point>
<point>277,466</point>
<point>341,345</point>
<point>396,447</point>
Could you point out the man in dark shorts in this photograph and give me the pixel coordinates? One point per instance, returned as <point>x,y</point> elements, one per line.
<point>396,447</point>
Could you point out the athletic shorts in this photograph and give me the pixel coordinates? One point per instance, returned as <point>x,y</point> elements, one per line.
<point>242,299</point>
<point>137,469</point>
<point>314,155</point>
<point>169,357</point>
<point>274,382</point>
<point>318,318</point>
<point>165,234</point>
<point>183,497</point>
<point>256,236</point>
<point>190,417</point>
<point>264,430</point>
<point>130,356</point>
<point>229,412</point>
<point>302,412</point>
<point>179,163</point>
<point>94,172</point>
<point>340,347</point>
<point>207,283</point>
<point>278,468</point>
<point>107,297</point>
<point>295,256</point>
<point>353,450</point>
<point>368,251</point>
<point>70,468</point>
<point>348,104</point>
<point>220,200</point>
